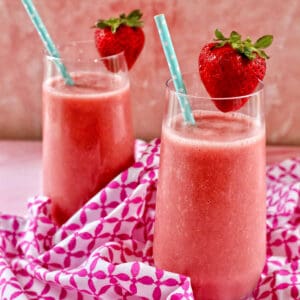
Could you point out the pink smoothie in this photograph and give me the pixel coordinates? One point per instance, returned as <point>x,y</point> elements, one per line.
<point>210,213</point>
<point>87,138</point>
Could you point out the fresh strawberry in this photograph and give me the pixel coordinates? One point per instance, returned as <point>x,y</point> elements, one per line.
<point>125,33</point>
<point>232,67</point>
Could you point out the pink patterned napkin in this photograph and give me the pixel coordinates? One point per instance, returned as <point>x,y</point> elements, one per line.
<point>105,250</point>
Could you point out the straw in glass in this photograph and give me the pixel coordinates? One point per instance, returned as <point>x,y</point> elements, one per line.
<point>48,43</point>
<point>174,68</point>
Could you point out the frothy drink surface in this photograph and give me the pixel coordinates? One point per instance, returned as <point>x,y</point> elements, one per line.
<point>87,83</point>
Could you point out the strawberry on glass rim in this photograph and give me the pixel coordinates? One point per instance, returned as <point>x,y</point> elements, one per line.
<point>122,34</point>
<point>232,67</point>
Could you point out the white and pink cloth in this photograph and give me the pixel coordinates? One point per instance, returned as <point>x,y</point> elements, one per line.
<point>105,250</point>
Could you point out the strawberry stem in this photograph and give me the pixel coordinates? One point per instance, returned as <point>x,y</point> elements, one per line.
<point>245,47</point>
<point>133,19</point>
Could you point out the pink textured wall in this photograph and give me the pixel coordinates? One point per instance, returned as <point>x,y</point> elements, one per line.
<point>191,24</point>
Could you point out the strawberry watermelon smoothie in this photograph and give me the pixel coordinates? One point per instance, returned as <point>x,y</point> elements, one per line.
<point>210,213</point>
<point>88,138</point>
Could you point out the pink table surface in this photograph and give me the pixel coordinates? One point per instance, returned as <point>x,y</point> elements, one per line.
<point>20,171</point>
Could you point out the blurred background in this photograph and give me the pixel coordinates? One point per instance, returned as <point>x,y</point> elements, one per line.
<point>191,23</point>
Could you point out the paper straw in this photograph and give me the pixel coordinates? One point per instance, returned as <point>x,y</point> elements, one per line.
<point>174,68</point>
<point>48,43</point>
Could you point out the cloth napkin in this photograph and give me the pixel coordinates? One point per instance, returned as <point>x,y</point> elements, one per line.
<point>105,250</point>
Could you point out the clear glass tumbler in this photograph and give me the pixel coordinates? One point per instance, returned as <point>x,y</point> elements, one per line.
<point>210,210</point>
<point>87,128</point>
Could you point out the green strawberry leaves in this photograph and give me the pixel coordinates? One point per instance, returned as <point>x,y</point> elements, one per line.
<point>245,47</point>
<point>264,42</point>
<point>235,37</point>
<point>219,35</point>
<point>133,19</point>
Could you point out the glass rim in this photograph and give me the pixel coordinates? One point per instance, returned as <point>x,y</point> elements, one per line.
<point>81,42</point>
<point>172,89</point>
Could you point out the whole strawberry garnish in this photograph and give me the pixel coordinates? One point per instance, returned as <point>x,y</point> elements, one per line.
<point>232,67</point>
<point>125,33</point>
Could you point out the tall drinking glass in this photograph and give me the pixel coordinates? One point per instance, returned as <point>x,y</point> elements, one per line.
<point>210,210</point>
<point>87,128</point>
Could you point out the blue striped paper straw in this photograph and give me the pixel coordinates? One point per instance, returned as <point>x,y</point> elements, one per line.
<point>174,68</point>
<point>50,46</point>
